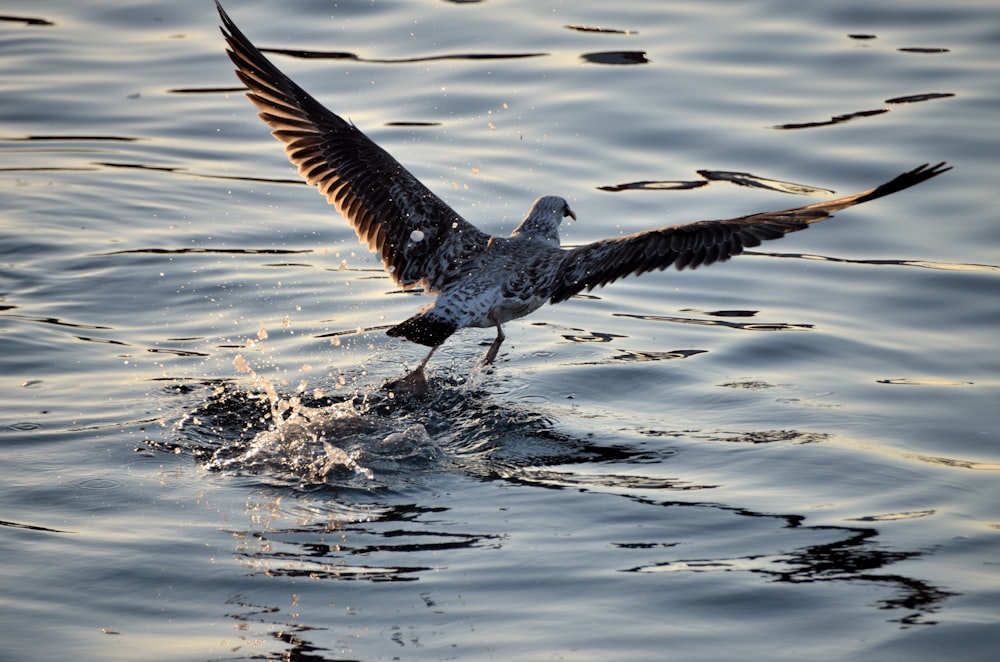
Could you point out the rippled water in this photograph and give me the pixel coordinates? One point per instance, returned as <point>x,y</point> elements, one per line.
<point>793,455</point>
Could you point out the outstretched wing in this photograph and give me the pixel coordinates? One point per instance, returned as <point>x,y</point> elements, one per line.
<point>694,244</point>
<point>389,208</point>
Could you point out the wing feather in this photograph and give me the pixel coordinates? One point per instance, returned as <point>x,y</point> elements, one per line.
<point>382,201</point>
<point>692,245</point>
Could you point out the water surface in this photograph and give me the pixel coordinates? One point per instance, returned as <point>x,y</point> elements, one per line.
<point>793,455</point>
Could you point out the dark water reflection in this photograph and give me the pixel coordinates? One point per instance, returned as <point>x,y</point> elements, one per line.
<point>327,55</point>
<point>858,557</point>
<point>27,20</point>
<point>616,57</point>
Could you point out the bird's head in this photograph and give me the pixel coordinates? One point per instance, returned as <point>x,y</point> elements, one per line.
<point>543,219</point>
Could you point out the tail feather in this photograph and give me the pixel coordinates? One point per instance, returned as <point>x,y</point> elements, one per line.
<point>424,329</point>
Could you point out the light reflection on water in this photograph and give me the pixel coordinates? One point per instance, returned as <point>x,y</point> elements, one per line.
<point>797,448</point>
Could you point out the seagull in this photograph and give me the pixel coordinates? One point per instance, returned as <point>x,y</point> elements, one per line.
<point>483,280</point>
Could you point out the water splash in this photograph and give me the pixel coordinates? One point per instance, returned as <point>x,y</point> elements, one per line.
<point>306,436</point>
<point>344,431</point>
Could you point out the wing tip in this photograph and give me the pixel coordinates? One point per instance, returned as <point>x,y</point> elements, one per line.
<point>904,181</point>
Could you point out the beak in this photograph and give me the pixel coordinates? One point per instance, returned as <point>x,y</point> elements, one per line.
<point>568,212</point>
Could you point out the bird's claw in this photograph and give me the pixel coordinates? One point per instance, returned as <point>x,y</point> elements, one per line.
<point>413,384</point>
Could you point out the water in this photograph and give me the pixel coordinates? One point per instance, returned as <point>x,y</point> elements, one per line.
<point>790,456</point>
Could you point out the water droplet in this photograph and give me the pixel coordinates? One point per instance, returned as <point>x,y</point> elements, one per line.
<point>416,235</point>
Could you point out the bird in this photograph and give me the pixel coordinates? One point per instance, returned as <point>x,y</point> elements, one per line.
<point>479,279</point>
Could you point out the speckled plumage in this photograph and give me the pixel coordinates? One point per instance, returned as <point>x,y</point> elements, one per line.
<point>482,280</point>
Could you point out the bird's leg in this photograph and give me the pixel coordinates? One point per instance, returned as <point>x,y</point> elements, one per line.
<point>415,382</point>
<point>426,358</point>
<point>491,353</point>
